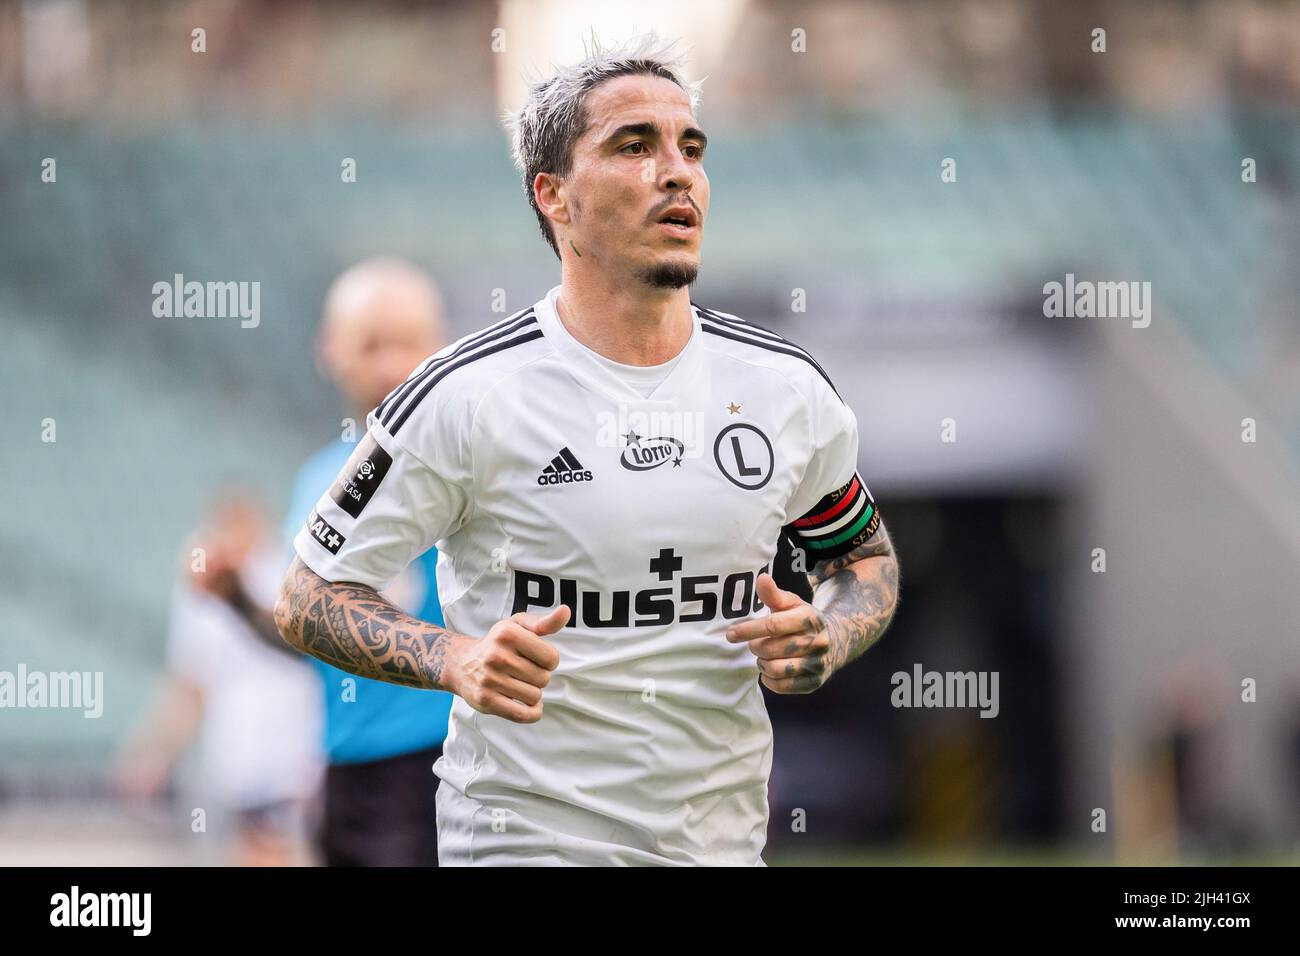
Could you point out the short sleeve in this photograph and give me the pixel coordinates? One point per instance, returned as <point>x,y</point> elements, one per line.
<point>832,511</point>
<point>389,504</point>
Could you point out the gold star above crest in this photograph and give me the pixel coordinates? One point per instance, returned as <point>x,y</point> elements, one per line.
<point>733,408</point>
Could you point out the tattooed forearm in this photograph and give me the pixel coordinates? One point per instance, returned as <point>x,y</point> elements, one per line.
<point>352,627</point>
<point>857,594</point>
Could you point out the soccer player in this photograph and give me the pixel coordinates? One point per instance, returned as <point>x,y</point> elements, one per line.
<point>606,474</point>
<point>381,318</point>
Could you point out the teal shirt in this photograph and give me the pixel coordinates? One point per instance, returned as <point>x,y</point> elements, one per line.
<point>373,719</point>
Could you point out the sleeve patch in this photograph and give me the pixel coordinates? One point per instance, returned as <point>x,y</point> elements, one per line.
<point>324,533</point>
<point>360,477</point>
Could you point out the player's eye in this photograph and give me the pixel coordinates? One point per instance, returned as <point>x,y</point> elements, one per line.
<point>692,151</point>
<point>630,145</point>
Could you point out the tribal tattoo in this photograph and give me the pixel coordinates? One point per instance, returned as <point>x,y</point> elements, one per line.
<point>855,595</point>
<point>353,628</point>
<point>801,644</point>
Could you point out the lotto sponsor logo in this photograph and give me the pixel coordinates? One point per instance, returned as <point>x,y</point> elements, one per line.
<point>643,454</point>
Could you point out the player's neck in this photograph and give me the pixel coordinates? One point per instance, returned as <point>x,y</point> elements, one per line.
<point>626,322</point>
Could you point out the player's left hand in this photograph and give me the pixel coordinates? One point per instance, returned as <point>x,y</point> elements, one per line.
<point>792,644</point>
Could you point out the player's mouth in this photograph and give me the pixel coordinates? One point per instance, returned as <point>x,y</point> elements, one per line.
<point>680,221</point>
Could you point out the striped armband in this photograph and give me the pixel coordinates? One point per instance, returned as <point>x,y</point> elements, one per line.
<point>838,523</point>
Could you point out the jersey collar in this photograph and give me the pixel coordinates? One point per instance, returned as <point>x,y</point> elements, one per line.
<point>591,373</point>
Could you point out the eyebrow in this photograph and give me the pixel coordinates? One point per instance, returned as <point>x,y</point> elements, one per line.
<point>652,129</point>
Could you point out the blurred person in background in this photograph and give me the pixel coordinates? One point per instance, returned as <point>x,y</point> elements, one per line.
<point>249,698</point>
<point>382,317</point>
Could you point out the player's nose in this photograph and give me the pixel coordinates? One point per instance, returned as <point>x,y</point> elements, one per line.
<point>674,171</point>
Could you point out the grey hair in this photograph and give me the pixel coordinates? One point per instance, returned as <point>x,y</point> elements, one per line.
<point>545,129</point>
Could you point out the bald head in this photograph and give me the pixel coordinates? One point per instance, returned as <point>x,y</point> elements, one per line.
<point>382,318</point>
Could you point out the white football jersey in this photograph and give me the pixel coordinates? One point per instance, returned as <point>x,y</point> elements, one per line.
<point>544,476</point>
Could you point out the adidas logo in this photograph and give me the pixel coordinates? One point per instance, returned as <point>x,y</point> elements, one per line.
<point>563,469</point>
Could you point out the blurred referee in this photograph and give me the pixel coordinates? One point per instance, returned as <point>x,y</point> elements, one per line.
<point>382,317</point>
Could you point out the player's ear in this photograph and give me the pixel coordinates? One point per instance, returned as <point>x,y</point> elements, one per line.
<point>548,190</point>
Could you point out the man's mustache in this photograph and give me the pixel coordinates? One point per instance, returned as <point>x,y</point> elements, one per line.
<point>654,216</point>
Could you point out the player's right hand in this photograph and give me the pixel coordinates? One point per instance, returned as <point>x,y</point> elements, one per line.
<point>503,673</point>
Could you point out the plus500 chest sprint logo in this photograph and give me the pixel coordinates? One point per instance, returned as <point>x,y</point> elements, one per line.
<point>682,598</point>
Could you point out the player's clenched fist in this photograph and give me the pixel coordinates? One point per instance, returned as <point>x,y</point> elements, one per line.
<point>504,672</point>
<point>792,643</point>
